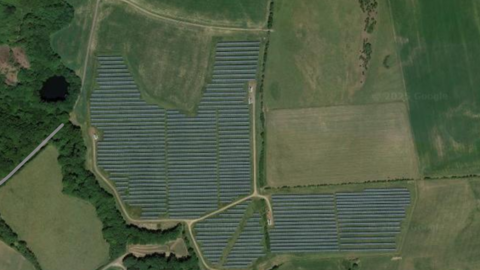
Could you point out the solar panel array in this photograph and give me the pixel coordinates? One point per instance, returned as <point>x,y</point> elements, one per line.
<point>364,221</point>
<point>304,223</point>
<point>214,233</point>
<point>371,220</point>
<point>131,151</point>
<point>202,161</point>
<point>249,245</point>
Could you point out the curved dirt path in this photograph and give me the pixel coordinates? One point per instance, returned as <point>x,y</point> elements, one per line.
<point>186,23</point>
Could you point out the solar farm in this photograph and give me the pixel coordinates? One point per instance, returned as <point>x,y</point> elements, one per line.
<point>367,221</point>
<point>224,241</point>
<point>169,164</point>
<point>173,165</point>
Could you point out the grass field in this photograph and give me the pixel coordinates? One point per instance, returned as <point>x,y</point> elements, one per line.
<point>171,62</point>
<point>440,54</point>
<point>445,229</point>
<point>71,42</point>
<point>63,232</point>
<point>10,259</point>
<point>245,13</point>
<point>339,145</point>
<point>313,57</point>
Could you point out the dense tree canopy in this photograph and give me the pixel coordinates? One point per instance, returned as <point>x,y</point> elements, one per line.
<point>27,120</point>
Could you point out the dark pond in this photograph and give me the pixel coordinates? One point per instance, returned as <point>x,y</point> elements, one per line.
<point>54,89</point>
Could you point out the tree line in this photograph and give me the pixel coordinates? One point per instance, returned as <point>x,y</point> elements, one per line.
<point>27,120</point>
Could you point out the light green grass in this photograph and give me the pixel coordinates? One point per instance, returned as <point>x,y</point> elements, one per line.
<point>438,44</point>
<point>244,13</point>
<point>170,62</point>
<point>71,42</point>
<point>341,144</point>
<point>10,259</point>
<point>63,232</point>
<point>314,51</point>
<point>445,229</point>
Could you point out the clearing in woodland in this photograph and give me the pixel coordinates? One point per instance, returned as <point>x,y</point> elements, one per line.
<point>63,232</point>
<point>315,51</point>
<point>438,44</point>
<point>11,259</point>
<point>340,144</point>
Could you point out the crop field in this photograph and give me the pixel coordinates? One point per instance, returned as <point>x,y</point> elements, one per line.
<point>367,221</point>
<point>339,144</point>
<point>443,101</point>
<point>313,56</point>
<point>11,259</point>
<point>245,13</point>
<point>444,232</point>
<point>166,162</point>
<point>63,232</point>
<point>233,238</point>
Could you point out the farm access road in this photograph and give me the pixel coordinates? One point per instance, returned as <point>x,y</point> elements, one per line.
<point>189,222</point>
<point>40,146</point>
<point>187,23</point>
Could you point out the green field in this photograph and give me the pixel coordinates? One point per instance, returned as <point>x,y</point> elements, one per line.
<point>170,61</point>
<point>63,232</point>
<point>314,51</point>
<point>245,13</point>
<point>438,44</point>
<point>341,144</point>
<point>10,259</point>
<point>445,229</point>
<point>71,42</point>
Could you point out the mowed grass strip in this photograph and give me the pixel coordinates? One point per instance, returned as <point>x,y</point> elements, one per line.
<point>245,13</point>
<point>63,232</point>
<point>11,259</point>
<point>438,45</point>
<point>341,144</point>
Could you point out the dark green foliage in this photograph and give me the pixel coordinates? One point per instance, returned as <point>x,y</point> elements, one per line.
<point>26,120</point>
<point>368,5</point>
<point>270,15</point>
<point>79,182</point>
<point>160,262</point>
<point>370,23</point>
<point>366,53</point>
<point>9,237</point>
<point>262,181</point>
